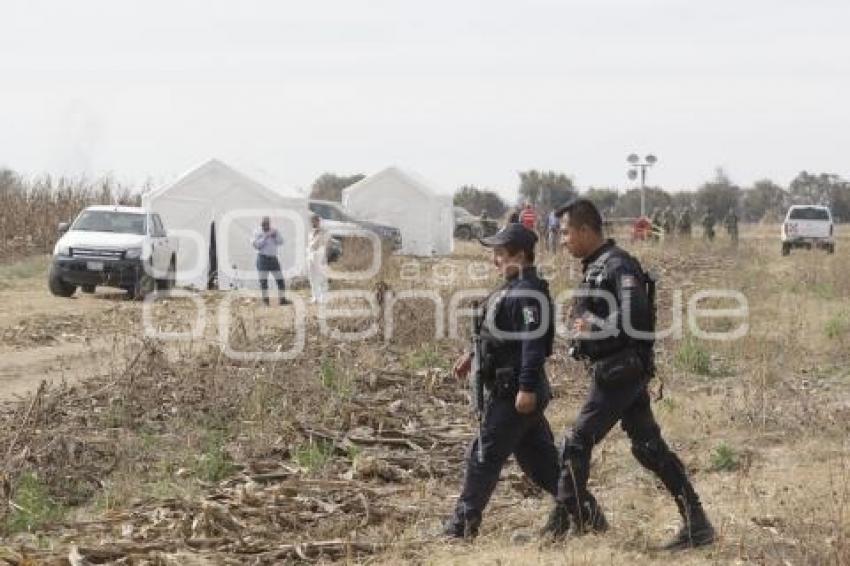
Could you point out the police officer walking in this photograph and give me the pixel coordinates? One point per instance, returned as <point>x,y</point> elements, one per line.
<point>613,320</point>
<point>731,223</point>
<point>708,222</point>
<point>685,222</point>
<point>516,338</point>
<point>669,222</point>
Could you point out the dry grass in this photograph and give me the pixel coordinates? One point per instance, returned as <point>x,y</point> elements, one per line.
<point>30,211</point>
<point>763,430</point>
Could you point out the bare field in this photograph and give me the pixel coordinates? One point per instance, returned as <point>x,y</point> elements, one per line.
<point>156,452</point>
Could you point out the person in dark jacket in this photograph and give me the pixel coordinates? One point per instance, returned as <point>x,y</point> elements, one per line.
<point>731,223</point>
<point>613,324</point>
<point>516,335</point>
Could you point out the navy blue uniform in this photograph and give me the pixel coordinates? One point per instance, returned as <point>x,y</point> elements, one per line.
<point>621,365</point>
<point>516,338</point>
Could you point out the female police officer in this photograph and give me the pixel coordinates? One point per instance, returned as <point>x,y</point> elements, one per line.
<point>516,339</point>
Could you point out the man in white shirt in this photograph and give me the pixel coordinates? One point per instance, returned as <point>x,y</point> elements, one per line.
<point>266,241</point>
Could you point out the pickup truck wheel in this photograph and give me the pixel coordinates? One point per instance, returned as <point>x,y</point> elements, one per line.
<point>786,249</point>
<point>463,233</point>
<point>144,287</point>
<point>58,287</point>
<point>89,289</point>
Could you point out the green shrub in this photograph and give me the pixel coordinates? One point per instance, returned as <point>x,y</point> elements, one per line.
<point>214,463</point>
<point>724,459</point>
<point>837,326</point>
<point>314,455</point>
<point>32,506</point>
<point>693,358</point>
<point>426,357</point>
<point>333,380</point>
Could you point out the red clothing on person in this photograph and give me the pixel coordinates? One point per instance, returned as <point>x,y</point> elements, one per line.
<point>528,218</point>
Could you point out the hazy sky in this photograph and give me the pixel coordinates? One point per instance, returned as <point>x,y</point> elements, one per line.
<point>462,92</point>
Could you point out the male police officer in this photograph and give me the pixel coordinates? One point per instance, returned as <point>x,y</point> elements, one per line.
<point>731,223</point>
<point>613,321</point>
<point>516,339</point>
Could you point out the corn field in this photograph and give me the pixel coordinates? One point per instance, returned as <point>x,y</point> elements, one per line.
<point>30,210</point>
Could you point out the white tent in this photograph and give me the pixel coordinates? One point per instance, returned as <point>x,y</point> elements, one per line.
<point>213,211</point>
<point>408,202</point>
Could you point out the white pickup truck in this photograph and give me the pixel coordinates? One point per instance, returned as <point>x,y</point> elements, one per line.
<point>807,226</point>
<point>115,246</point>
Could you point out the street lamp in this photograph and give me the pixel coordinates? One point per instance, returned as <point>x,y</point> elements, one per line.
<point>636,165</point>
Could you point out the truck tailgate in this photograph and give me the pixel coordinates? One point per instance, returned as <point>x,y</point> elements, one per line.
<point>808,228</point>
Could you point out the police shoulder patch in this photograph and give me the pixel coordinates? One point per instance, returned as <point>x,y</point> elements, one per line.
<point>529,315</point>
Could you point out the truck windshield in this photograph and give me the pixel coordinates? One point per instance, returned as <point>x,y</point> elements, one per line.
<point>809,213</point>
<point>110,221</point>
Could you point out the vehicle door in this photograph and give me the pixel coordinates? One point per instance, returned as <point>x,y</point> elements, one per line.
<point>160,250</point>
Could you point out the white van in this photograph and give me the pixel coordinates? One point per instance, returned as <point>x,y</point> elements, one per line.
<point>808,226</point>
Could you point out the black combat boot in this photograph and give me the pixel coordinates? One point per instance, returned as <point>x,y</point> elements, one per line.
<point>590,519</point>
<point>558,524</point>
<point>462,525</point>
<point>696,529</point>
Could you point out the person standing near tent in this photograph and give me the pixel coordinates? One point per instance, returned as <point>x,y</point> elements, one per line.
<point>317,260</point>
<point>528,217</point>
<point>266,241</point>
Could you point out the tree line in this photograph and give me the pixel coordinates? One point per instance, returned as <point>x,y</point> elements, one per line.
<point>763,200</point>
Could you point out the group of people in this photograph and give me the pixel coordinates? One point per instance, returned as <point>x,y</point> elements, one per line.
<point>513,342</point>
<point>545,225</point>
<point>516,337</point>
<point>267,239</point>
<point>670,223</point>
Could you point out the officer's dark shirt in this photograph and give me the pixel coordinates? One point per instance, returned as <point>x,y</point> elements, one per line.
<point>618,275</point>
<point>523,315</point>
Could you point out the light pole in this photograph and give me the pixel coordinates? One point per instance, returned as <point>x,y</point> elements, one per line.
<point>636,164</point>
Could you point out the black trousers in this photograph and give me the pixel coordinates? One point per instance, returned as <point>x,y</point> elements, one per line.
<point>630,406</point>
<point>266,265</point>
<point>506,432</point>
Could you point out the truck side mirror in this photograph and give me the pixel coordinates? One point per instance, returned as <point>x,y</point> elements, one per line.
<point>63,227</point>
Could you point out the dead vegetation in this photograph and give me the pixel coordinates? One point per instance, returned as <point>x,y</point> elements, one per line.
<point>30,210</point>
<point>353,451</point>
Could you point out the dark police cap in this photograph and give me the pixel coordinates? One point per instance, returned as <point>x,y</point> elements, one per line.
<point>511,235</point>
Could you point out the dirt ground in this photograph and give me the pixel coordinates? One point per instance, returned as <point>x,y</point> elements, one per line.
<point>761,422</point>
<point>48,338</point>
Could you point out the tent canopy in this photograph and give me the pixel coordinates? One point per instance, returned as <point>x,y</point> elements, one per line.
<point>214,202</point>
<point>405,200</point>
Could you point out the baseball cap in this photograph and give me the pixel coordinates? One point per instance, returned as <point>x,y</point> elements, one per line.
<point>512,234</point>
